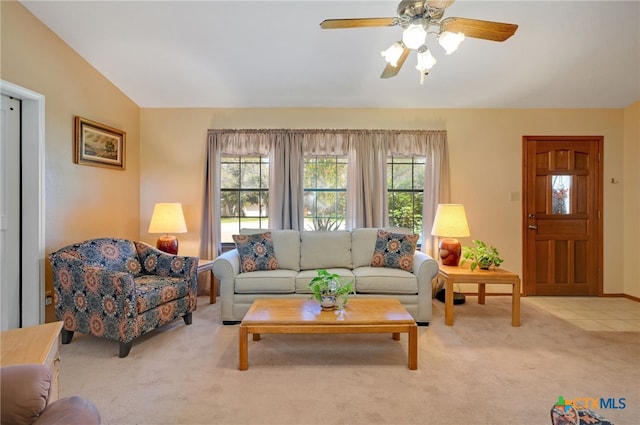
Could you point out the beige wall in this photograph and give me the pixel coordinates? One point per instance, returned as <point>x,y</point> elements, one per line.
<point>631,204</point>
<point>166,148</point>
<point>485,159</point>
<point>81,202</point>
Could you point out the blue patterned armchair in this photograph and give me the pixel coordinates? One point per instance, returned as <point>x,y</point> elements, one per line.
<point>120,289</point>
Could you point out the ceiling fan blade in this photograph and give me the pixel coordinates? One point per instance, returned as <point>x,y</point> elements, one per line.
<point>328,24</point>
<point>440,4</point>
<point>487,30</point>
<point>392,71</point>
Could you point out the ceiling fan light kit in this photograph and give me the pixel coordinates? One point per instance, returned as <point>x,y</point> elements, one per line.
<point>450,41</point>
<point>393,53</point>
<point>417,18</point>
<point>415,35</point>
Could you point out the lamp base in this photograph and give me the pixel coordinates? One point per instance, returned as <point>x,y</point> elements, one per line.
<point>450,252</point>
<point>168,244</point>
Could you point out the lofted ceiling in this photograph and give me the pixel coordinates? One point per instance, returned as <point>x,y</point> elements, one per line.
<point>565,54</point>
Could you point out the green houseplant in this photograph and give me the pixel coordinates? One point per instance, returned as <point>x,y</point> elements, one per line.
<point>481,255</point>
<point>329,290</point>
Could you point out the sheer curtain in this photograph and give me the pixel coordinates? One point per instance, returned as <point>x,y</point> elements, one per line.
<point>367,152</point>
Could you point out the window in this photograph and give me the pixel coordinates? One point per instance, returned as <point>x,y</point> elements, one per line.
<point>405,189</point>
<point>244,194</point>
<point>325,192</point>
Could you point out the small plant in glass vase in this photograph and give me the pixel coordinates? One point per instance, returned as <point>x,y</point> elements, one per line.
<point>481,255</point>
<point>330,290</point>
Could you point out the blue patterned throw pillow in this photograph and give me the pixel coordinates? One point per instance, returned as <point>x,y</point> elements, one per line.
<point>256,252</point>
<point>394,250</point>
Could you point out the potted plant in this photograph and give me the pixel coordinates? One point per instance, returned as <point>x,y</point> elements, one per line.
<point>481,255</point>
<point>329,290</point>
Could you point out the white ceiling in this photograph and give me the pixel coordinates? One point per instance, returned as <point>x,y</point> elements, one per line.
<point>565,54</point>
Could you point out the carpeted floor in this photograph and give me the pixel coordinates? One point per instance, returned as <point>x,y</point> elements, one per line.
<point>480,371</point>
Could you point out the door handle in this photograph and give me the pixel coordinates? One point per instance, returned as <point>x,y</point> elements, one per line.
<point>533,226</point>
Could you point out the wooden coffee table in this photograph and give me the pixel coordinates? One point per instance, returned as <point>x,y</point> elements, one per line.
<point>302,316</point>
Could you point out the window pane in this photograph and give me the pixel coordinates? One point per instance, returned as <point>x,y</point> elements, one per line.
<point>229,203</point>
<point>325,180</point>
<point>561,191</point>
<point>230,175</point>
<point>251,175</point>
<point>244,194</point>
<point>405,188</point>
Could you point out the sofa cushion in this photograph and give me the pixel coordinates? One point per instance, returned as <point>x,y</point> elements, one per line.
<point>281,281</point>
<point>304,277</point>
<point>256,252</point>
<point>394,250</point>
<point>363,243</point>
<point>382,280</point>
<point>286,246</point>
<point>153,290</point>
<point>324,250</point>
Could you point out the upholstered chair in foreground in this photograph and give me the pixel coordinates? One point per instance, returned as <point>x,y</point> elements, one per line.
<point>120,289</point>
<point>25,399</point>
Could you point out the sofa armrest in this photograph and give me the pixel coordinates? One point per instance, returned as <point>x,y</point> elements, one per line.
<point>161,263</point>
<point>227,265</point>
<point>25,392</point>
<point>72,410</point>
<point>424,267</point>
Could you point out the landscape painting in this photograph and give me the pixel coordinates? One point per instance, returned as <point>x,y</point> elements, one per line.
<point>99,145</point>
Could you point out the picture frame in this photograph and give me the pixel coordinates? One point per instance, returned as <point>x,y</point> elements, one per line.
<point>99,145</point>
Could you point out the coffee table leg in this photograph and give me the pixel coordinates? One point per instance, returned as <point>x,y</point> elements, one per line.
<point>396,336</point>
<point>413,347</point>
<point>244,355</point>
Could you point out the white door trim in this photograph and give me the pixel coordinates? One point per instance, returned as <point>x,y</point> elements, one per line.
<point>33,201</point>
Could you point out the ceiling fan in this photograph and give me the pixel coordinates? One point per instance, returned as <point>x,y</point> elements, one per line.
<point>419,19</point>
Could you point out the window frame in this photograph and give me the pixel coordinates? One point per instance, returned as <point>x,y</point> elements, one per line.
<point>262,189</point>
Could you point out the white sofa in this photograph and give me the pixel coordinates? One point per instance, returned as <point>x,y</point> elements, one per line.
<point>300,254</point>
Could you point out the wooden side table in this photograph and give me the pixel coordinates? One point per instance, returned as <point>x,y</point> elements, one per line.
<point>463,274</point>
<point>207,265</point>
<point>35,344</point>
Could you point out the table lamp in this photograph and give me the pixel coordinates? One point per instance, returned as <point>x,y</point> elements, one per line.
<point>167,218</point>
<point>450,223</point>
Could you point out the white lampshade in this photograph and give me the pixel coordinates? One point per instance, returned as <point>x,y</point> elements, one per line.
<point>167,218</point>
<point>450,221</point>
<point>450,41</point>
<point>426,61</point>
<point>414,35</point>
<point>393,53</point>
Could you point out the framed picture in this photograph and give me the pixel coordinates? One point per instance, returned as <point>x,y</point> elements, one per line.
<point>98,145</point>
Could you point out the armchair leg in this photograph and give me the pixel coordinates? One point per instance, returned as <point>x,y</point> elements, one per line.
<point>66,336</point>
<point>188,318</point>
<point>125,347</point>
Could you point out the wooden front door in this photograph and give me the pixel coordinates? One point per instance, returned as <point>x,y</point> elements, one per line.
<point>562,227</point>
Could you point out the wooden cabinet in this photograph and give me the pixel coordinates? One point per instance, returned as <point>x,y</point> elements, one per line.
<point>35,344</point>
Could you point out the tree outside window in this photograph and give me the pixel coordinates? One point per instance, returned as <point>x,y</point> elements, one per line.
<point>325,193</point>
